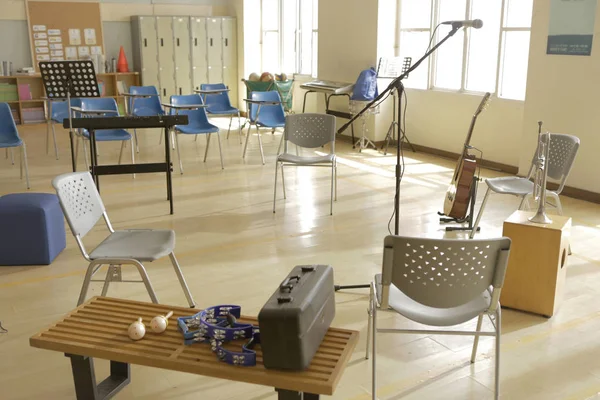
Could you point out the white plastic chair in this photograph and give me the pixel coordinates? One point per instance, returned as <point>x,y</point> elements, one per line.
<point>563,149</point>
<point>308,131</point>
<point>440,282</point>
<point>83,207</point>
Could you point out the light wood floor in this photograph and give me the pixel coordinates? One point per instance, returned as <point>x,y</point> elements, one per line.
<point>233,249</point>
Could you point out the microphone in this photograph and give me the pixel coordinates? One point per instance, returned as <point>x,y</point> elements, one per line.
<point>470,23</point>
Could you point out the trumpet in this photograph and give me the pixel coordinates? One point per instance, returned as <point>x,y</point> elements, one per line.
<point>541,176</point>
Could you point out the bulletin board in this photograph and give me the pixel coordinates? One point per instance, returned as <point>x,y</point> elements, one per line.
<point>61,31</point>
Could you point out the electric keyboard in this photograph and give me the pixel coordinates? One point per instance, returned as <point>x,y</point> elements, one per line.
<point>328,87</point>
<point>127,122</point>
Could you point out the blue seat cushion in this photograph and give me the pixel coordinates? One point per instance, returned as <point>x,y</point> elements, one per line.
<point>107,135</point>
<point>270,124</point>
<point>11,143</point>
<point>196,129</point>
<point>32,231</point>
<point>220,109</point>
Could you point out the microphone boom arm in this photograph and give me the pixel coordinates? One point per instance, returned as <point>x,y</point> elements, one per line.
<point>396,81</point>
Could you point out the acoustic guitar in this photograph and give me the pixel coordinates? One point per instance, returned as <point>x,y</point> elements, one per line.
<point>458,194</point>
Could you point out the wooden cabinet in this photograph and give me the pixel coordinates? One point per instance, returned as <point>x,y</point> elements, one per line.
<point>535,276</point>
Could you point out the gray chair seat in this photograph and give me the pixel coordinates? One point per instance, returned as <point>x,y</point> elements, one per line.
<point>142,245</point>
<point>510,185</point>
<point>423,314</point>
<point>303,160</point>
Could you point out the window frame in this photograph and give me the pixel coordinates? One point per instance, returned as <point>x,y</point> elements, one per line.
<point>432,61</point>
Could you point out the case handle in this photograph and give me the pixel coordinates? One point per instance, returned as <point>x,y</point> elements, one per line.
<point>287,299</point>
<point>177,42</point>
<point>162,43</point>
<point>145,42</point>
<point>210,42</point>
<point>226,42</point>
<point>195,41</point>
<point>287,283</point>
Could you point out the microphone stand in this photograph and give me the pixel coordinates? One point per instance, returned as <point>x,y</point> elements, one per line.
<point>395,84</point>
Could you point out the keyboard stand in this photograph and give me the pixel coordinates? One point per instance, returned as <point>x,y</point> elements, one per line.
<point>335,113</point>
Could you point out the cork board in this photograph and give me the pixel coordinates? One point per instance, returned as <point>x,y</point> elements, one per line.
<point>63,31</point>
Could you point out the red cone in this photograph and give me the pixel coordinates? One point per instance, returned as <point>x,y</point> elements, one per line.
<point>122,62</point>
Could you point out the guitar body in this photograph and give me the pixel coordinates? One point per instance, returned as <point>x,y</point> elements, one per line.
<point>458,195</point>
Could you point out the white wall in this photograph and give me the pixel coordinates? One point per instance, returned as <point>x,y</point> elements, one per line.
<point>562,91</point>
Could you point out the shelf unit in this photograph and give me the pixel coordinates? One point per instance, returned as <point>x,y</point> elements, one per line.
<point>110,81</point>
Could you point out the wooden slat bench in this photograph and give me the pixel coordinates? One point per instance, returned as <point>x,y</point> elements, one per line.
<point>98,328</point>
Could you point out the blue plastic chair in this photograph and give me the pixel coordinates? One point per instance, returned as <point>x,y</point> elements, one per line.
<point>267,115</point>
<point>9,138</point>
<point>219,104</point>
<point>103,135</point>
<point>58,111</point>
<point>198,123</point>
<point>145,106</point>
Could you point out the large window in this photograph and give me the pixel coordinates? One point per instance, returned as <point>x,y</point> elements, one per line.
<point>289,36</point>
<point>491,59</point>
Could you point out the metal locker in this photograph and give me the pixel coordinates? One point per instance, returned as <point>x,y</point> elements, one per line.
<point>166,57</point>
<point>181,32</point>
<point>145,55</point>
<point>199,51</point>
<point>229,46</point>
<point>215,51</point>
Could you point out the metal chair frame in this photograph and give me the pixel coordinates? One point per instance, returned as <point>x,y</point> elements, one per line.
<point>22,146</point>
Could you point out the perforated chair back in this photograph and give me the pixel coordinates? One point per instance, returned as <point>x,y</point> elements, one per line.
<point>217,101</point>
<point>79,200</point>
<point>197,116</point>
<point>270,115</point>
<point>101,103</point>
<point>9,135</point>
<point>563,149</point>
<point>145,106</point>
<point>444,273</point>
<point>309,130</point>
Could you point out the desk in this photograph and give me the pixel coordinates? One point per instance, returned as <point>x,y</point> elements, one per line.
<point>98,328</point>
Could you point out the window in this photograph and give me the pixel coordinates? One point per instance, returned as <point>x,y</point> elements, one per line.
<point>491,59</point>
<point>289,36</point>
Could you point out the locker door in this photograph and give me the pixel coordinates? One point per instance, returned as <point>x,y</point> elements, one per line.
<point>229,45</point>
<point>181,31</point>
<point>149,52</point>
<point>166,56</point>
<point>215,51</point>
<point>199,52</point>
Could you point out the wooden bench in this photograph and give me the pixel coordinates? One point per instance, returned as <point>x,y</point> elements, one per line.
<point>98,328</point>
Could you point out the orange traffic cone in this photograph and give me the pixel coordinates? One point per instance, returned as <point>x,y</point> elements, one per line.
<point>122,62</point>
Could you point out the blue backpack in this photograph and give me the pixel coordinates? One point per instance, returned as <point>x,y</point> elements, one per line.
<point>365,88</point>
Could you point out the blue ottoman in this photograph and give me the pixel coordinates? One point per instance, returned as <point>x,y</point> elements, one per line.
<point>32,229</point>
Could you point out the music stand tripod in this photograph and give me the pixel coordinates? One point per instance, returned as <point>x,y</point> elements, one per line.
<point>66,79</point>
<point>399,87</point>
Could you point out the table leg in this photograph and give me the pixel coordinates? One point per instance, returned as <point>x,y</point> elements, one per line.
<point>85,378</point>
<point>283,394</point>
<point>94,157</point>
<point>168,171</point>
<point>73,164</point>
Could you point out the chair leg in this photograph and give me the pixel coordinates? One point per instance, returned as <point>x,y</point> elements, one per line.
<point>173,139</point>
<point>273,131</point>
<point>48,137</point>
<point>369,323</point>
<point>481,208</point>
<point>85,154</point>
<point>107,280</point>
<point>240,127</point>
<point>179,154</point>
<point>220,151</point>
<point>86,283</point>
<point>137,143</point>
<point>146,280</point>
<point>336,182</point>
<point>374,351</point>
<point>12,156</point>
<point>476,340</point>
<point>497,369</point>
<point>283,182</point>
<point>182,282</point>
<point>77,149</point>
<point>523,202</point>
<point>207,144</point>
<point>24,161</point>
<point>247,137</point>
<point>332,189</point>
<point>133,155</point>
<point>160,138</point>
<point>275,185</point>
<point>121,152</point>
<point>260,146</point>
<point>229,129</point>
<point>54,139</point>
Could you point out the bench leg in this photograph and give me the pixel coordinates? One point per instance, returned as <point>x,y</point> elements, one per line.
<point>293,395</point>
<point>85,378</point>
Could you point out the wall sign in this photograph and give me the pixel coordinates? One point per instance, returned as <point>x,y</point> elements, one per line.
<point>571,28</point>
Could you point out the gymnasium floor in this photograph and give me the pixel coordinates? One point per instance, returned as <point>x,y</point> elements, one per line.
<point>233,249</point>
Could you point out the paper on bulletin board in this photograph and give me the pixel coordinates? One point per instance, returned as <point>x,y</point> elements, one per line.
<point>57,53</point>
<point>43,57</point>
<point>90,35</point>
<point>571,29</point>
<point>83,51</point>
<point>41,43</point>
<point>74,36</point>
<point>71,53</point>
<point>39,28</point>
<point>57,59</point>
<point>53,32</point>
<point>56,46</point>
<point>55,39</point>
<point>40,50</point>
<point>96,50</point>
<point>40,35</point>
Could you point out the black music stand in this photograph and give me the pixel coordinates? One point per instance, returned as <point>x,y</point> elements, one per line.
<point>66,79</point>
